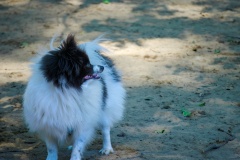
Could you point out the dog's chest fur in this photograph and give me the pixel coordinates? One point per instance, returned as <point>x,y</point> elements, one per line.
<point>65,110</point>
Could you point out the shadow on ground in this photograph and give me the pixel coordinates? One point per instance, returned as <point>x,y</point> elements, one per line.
<point>147,20</point>
<point>153,115</point>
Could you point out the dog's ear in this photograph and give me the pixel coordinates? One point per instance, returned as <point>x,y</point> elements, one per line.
<point>69,45</point>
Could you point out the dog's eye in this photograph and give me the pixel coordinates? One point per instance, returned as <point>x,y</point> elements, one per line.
<point>88,66</point>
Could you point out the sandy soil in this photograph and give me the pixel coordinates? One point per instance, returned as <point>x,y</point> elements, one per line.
<point>180,62</point>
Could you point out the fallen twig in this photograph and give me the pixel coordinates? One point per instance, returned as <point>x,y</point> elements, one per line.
<point>217,145</point>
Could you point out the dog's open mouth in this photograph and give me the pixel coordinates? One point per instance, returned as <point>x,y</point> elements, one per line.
<point>96,70</point>
<point>93,76</point>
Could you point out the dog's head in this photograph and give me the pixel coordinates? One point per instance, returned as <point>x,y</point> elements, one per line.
<point>69,65</point>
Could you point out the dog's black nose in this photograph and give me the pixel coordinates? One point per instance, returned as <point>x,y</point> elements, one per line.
<point>98,69</point>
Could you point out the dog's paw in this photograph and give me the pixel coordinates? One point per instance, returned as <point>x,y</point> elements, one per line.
<point>106,151</point>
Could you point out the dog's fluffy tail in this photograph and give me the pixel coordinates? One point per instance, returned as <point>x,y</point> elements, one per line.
<point>100,39</point>
<point>52,41</point>
<point>93,47</point>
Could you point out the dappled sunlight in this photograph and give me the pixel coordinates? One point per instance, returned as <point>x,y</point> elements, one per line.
<point>174,56</point>
<point>10,71</point>
<point>221,102</point>
<point>165,28</point>
<point>12,3</point>
<point>168,116</point>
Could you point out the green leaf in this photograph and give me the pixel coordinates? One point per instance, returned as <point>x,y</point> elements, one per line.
<point>186,113</point>
<point>106,1</point>
<point>202,104</point>
<point>217,51</point>
<point>23,45</point>
<point>160,131</point>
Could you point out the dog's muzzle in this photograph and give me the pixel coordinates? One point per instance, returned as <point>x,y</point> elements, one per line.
<point>96,70</point>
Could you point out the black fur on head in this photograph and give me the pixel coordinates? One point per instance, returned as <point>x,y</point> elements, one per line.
<point>66,66</point>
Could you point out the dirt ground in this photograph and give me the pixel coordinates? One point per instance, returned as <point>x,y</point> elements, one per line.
<point>180,62</point>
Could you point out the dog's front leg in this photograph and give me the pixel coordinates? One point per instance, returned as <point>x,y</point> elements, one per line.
<point>80,143</point>
<point>78,150</point>
<point>52,150</point>
<point>107,146</point>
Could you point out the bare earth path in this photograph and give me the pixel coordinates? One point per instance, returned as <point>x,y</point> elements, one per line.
<point>180,62</point>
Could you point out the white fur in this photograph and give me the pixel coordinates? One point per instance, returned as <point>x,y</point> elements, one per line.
<point>52,112</point>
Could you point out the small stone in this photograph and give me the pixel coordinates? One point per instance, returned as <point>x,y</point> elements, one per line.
<point>122,134</point>
<point>166,107</point>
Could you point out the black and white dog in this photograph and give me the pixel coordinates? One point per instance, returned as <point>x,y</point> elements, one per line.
<point>72,91</point>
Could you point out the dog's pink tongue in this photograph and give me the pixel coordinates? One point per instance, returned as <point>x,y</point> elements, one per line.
<point>94,76</point>
<point>87,77</point>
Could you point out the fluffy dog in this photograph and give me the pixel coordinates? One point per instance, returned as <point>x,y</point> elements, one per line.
<point>72,91</point>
